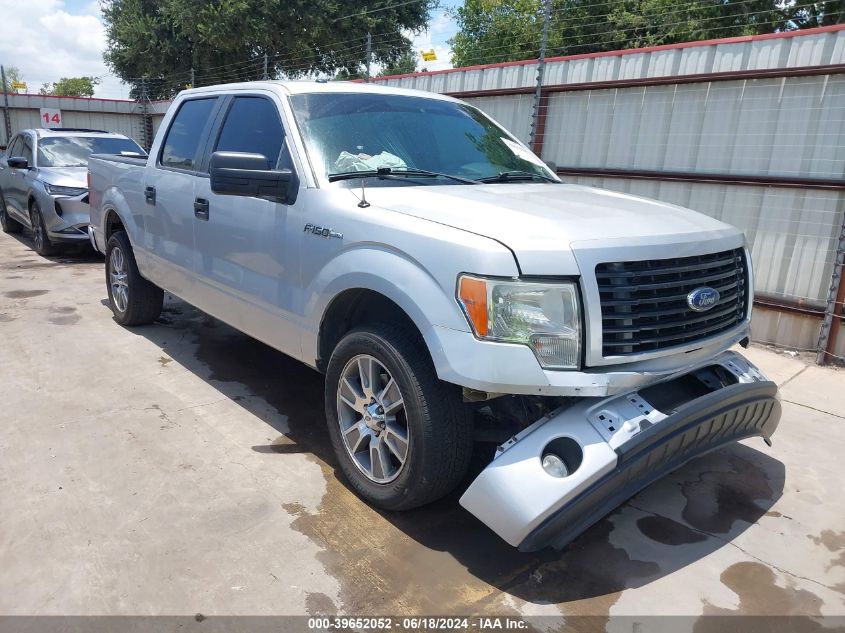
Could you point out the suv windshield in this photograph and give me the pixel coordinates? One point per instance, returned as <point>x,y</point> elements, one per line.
<point>353,132</point>
<point>73,151</point>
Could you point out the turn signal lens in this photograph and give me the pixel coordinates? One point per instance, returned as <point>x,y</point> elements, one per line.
<point>473,295</point>
<point>543,316</point>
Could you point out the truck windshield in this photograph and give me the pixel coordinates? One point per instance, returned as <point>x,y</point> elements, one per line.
<point>73,151</point>
<point>371,133</point>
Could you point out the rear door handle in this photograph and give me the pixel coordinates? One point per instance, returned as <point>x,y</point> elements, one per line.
<point>201,208</point>
<point>150,195</point>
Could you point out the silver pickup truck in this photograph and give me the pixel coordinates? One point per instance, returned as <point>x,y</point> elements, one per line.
<point>455,293</point>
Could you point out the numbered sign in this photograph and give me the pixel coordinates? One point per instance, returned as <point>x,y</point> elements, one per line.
<point>51,117</point>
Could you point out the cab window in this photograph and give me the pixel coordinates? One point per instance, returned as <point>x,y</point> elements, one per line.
<point>181,146</point>
<point>252,125</point>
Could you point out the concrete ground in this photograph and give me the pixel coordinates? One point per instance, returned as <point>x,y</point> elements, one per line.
<point>183,468</point>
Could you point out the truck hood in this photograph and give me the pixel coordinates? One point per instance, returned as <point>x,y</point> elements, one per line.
<point>64,176</point>
<point>543,223</point>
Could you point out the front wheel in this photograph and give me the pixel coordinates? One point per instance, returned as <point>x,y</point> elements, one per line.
<point>403,438</point>
<point>133,299</point>
<point>40,239</point>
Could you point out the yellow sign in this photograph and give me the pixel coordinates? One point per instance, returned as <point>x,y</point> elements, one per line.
<point>18,85</point>
<point>429,55</point>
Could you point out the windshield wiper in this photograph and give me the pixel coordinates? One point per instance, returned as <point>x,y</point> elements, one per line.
<point>513,176</point>
<point>390,172</point>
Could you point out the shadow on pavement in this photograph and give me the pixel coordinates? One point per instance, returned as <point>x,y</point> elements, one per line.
<point>69,253</point>
<point>699,508</point>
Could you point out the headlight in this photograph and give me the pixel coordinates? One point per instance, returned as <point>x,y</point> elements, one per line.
<point>72,192</point>
<point>544,316</point>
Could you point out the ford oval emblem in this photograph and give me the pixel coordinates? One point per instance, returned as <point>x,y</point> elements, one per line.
<point>702,299</point>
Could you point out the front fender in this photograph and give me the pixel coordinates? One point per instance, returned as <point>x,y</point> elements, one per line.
<point>391,273</point>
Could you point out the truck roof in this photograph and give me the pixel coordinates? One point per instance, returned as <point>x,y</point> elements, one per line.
<point>305,87</point>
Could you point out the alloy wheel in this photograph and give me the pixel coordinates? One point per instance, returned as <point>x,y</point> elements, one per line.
<point>118,279</point>
<point>37,229</point>
<point>372,418</point>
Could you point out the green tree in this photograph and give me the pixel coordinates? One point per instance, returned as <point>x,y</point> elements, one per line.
<point>13,75</point>
<point>71,87</point>
<point>226,40</point>
<point>506,30</point>
<point>407,63</point>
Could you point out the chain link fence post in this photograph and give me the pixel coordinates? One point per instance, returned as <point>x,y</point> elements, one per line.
<point>538,111</point>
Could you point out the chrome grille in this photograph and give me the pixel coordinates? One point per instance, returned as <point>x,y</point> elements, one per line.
<point>644,304</point>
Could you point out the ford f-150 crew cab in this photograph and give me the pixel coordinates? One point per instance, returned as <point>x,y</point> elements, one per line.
<point>454,292</point>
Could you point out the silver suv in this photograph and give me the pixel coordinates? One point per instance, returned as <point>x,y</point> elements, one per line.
<point>43,184</point>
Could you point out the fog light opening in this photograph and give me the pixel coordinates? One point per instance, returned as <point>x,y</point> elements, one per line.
<point>562,457</point>
<point>58,208</point>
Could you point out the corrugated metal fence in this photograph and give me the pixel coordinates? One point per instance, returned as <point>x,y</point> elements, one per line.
<point>749,130</point>
<point>113,115</point>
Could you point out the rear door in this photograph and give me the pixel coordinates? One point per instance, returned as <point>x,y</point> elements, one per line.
<point>247,254</point>
<point>169,182</point>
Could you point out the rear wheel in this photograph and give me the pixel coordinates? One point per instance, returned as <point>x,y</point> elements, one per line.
<point>403,438</point>
<point>8,224</point>
<point>133,299</point>
<point>41,241</point>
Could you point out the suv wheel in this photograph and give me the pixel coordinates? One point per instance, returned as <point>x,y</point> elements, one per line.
<point>133,299</point>
<point>403,438</point>
<point>41,241</point>
<point>8,224</point>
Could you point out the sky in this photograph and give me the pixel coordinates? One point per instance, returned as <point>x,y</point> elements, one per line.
<point>50,39</point>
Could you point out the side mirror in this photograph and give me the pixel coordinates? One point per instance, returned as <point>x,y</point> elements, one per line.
<point>245,174</point>
<point>18,162</point>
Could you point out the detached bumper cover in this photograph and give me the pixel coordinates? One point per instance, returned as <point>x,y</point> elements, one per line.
<point>627,444</point>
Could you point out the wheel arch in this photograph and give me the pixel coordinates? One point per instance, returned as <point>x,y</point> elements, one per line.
<point>112,222</point>
<point>354,307</point>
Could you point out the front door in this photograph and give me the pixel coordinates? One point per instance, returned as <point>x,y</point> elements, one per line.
<point>16,181</point>
<point>247,260</point>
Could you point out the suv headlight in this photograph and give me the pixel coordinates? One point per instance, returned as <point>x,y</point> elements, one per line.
<point>72,192</point>
<point>544,316</point>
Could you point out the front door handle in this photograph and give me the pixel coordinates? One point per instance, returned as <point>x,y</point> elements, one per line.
<point>150,195</point>
<point>201,208</point>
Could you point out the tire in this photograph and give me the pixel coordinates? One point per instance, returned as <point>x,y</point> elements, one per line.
<point>132,299</point>
<point>7,223</point>
<point>41,241</point>
<point>432,418</point>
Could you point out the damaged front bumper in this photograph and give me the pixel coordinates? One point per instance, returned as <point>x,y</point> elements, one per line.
<point>613,448</point>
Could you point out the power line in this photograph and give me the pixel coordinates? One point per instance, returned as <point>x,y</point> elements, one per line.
<point>391,6</point>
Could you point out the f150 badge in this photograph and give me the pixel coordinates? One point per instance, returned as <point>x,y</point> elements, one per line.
<point>322,231</point>
<point>702,299</point>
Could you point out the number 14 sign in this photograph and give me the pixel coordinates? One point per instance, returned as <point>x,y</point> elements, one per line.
<point>51,117</point>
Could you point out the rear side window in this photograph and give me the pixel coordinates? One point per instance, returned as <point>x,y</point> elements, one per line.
<point>252,125</point>
<point>181,145</point>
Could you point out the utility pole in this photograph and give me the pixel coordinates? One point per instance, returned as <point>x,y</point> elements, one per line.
<point>541,66</point>
<point>193,78</point>
<point>146,128</point>
<point>369,55</point>
<point>265,76</point>
<point>6,106</point>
